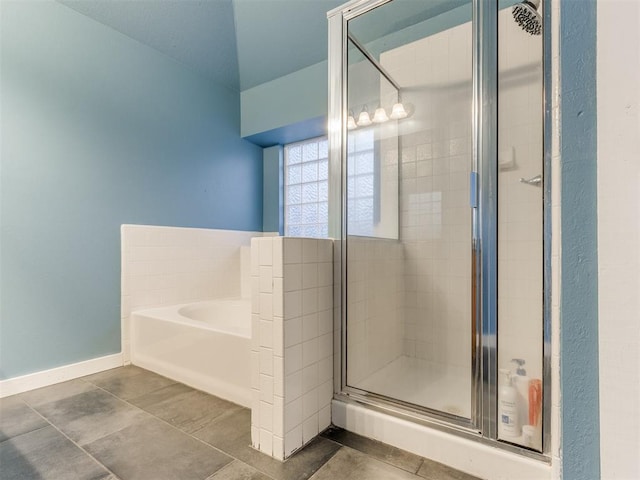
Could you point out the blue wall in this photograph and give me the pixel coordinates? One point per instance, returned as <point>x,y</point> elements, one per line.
<point>99,130</point>
<point>579,302</point>
<point>273,190</point>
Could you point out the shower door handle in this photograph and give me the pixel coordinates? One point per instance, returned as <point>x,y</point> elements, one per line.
<point>533,181</point>
<point>473,189</point>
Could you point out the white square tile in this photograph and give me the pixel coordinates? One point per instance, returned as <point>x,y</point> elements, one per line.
<point>309,250</point>
<point>266,417</point>
<point>325,251</point>
<point>278,448</point>
<point>255,407</point>
<point>255,437</point>
<point>278,416</point>
<point>292,414</point>
<point>266,251</point>
<point>325,394</point>
<point>325,321</point>
<point>255,257</point>
<point>266,361</point>
<point>309,301</point>
<point>309,327</point>
<point>255,369</point>
<point>292,440</point>
<point>266,306</point>
<point>292,332</point>
<point>309,352</point>
<point>278,259</point>
<point>324,418</point>
<point>278,336</point>
<point>325,298</point>
<point>292,359</point>
<point>309,403</point>
<point>278,298</point>
<point>309,378</point>
<point>255,294</point>
<point>309,275</point>
<point>266,280</point>
<point>293,386</point>
<point>310,428</point>
<point>266,388</point>
<point>278,376</point>
<point>255,332</point>
<point>292,277</point>
<point>325,370</point>
<point>266,442</point>
<point>292,251</point>
<point>266,333</point>
<point>325,274</point>
<point>325,346</point>
<point>292,305</point>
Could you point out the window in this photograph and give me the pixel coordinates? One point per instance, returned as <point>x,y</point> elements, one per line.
<point>361,183</point>
<point>306,188</point>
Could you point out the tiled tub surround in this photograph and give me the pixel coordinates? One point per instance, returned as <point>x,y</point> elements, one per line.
<point>164,266</point>
<point>292,342</point>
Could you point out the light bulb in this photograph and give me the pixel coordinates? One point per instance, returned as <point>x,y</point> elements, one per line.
<point>398,111</point>
<point>351,123</point>
<point>364,119</point>
<point>380,116</point>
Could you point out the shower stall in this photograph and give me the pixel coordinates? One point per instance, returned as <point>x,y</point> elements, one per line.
<point>439,196</point>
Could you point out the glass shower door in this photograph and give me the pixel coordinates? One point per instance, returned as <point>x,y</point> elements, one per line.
<point>410,320</point>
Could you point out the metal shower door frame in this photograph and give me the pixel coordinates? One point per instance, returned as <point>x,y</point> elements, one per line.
<point>482,426</point>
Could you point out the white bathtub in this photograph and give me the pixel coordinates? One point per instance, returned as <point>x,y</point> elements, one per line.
<point>205,345</point>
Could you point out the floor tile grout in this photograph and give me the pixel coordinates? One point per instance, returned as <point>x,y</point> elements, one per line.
<point>71,440</point>
<point>405,464</point>
<point>224,415</point>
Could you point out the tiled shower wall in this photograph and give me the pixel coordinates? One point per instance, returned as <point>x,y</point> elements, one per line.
<point>520,210</point>
<point>434,184</point>
<point>169,265</point>
<point>374,303</point>
<point>435,218</point>
<point>292,342</point>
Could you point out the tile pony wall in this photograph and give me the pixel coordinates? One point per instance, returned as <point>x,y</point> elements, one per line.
<point>292,342</point>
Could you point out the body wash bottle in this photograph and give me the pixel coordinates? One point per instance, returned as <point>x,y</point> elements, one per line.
<point>521,383</point>
<point>509,424</point>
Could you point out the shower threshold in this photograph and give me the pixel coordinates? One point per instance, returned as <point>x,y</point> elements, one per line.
<point>424,383</point>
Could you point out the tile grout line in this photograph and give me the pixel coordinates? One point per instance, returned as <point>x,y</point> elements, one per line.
<point>71,440</point>
<point>151,415</point>
<point>182,431</point>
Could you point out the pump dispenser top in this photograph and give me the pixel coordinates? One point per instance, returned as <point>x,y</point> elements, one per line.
<point>519,366</point>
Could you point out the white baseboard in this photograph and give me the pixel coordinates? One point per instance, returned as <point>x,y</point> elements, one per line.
<point>13,386</point>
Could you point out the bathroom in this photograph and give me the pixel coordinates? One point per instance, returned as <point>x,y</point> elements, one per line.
<point>163,138</point>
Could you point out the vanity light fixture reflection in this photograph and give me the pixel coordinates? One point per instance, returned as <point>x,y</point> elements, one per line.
<point>398,111</point>
<point>351,122</point>
<point>380,116</point>
<point>364,119</point>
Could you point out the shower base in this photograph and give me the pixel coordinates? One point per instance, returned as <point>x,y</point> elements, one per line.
<point>428,384</point>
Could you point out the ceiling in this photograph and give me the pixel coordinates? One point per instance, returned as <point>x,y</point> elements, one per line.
<point>237,43</point>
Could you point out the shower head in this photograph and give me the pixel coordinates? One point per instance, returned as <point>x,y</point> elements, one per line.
<point>526,15</point>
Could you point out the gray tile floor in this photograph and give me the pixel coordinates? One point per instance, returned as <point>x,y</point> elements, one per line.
<point>131,424</point>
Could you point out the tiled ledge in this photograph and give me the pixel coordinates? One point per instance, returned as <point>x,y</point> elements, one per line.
<point>292,342</point>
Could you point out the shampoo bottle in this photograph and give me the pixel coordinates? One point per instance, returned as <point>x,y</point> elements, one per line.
<point>509,424</point>
<point>521,384</point>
